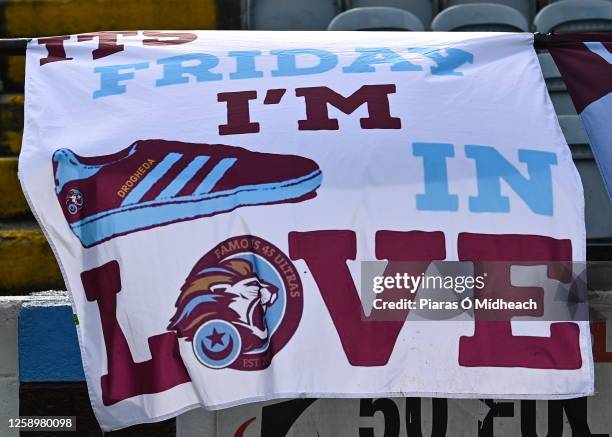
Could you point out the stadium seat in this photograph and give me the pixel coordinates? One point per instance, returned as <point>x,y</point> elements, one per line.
<point>557,90</point>
<point>575,16</point>
<point>598,209</point>
<point>480,17</point>
<point>291,14</point>
<point>423,9</point>
<point>523,6</point>
<point>376,18</point>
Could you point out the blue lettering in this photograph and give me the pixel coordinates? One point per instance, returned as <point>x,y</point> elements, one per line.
<point>377,56</point>
<point>448,63</point>
<point>245,65</point>
<point>492,167</point>
<point>175,72</point>
<point>436,196</point>
<point>111,76</point>
<point>287,63</point>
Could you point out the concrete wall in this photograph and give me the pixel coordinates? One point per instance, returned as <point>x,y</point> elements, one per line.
<point>9,363</point>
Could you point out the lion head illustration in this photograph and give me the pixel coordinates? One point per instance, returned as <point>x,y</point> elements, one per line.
<point>230,291</point>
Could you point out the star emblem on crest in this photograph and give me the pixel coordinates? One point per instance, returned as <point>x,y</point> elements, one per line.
<point>216,338</point>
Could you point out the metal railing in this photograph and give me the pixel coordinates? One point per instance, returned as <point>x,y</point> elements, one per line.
<point>17,46</point>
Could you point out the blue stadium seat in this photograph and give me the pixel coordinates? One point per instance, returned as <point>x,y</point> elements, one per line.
<point>575,16</point>
<point>598,209</point>
<point>423,9</point>
<point>291,14</point>
<point>482,17</point>
<point>376,18</point>
<point>525,7</point>
<point>557,90</point>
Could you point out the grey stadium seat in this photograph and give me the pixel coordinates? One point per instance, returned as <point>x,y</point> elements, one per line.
<point>376,18</point>
<point>598,209</point>
<point>480,17</point>
<point>523,6</point>
<point>557,90</point>
<point>423,9</point>
<point>291,14</point>
<point>575,15</point>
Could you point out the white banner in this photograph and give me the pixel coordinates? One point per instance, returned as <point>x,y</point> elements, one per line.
<point>210,195</point>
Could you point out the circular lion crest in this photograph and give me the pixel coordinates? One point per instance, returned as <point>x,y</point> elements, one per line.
<point>240,304</point>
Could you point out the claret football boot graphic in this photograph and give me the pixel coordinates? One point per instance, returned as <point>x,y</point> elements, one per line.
<point>156,182</point>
